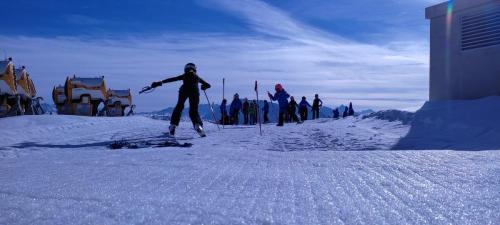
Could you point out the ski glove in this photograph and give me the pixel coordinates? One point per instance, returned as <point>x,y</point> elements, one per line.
<point>156,84</point>
<point>205,86</point>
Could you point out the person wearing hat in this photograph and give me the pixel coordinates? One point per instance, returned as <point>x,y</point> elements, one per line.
<point>188,90</point>
<point>282,97</point>
<point>234,109</point>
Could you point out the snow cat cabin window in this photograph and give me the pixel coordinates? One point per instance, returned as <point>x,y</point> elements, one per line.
<point>481,30</point>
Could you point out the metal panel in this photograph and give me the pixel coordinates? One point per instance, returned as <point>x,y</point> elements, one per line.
<point>480,30</point>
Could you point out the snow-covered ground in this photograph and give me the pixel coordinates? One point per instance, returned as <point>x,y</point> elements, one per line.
<point>57,170</point>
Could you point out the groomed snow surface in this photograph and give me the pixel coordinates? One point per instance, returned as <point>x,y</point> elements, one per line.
<point>57,170</point>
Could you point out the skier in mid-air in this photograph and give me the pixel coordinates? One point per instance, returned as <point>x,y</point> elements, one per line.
<point>282,97</point>
<point>188,90</point>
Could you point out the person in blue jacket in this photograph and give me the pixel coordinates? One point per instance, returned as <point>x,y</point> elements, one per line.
<point>234,109</point>
<point>282,97</point>
<point>223,112</point>
<point>265,109</point>
<point>303,108</point>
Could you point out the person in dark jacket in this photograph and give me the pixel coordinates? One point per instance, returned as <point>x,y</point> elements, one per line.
<point>252,113</point>
<point>303,108</point>
<point>292,110</point>
<point>234,109</point>
<point>188,90</point>
<point>244,110</point>
<point>223,112</point>
<point>265,110</point>
<point>282,97</point>
<point>336,113</point>
<point>346,112</point>
<point>317,103</point>
<point>351,110</point>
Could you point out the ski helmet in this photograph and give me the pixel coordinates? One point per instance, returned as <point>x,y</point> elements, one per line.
<point>278,87</point>
<point>190,66</point>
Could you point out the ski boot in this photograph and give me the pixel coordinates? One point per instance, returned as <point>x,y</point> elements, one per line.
<point>171,130</point>
<point>199,130</point>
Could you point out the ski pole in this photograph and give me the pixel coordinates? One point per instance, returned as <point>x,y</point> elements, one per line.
<point>258,108</point>
<point>211,109</point>
<point>223,97</point>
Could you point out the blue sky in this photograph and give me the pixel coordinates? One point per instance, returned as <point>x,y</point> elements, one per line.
<point>371,52</point>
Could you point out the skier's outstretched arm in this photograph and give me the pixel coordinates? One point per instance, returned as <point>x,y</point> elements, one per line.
<point>168,80</point>
<point>172,79</point>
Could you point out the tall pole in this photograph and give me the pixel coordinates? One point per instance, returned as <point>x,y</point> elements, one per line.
<point>258,108</point>
<point>223,97</point>
<point>212,109</point>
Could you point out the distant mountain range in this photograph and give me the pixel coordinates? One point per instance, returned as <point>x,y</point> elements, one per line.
<point>206,114</point>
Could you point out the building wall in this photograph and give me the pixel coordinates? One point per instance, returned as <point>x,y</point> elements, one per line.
<point>456,73</point>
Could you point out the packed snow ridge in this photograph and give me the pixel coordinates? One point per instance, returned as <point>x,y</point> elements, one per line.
<point>58,170</point>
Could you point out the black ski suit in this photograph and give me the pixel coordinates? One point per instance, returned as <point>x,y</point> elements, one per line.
<point>292,109</point>
<point>317,103</point>
<point>189,89</point>
<point>245,110</point>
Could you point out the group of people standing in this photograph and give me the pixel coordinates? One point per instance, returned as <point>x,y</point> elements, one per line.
<point>287,109</point>
<point>249,109</point>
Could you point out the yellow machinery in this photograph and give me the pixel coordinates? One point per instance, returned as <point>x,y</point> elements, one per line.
<point>83,96</point>
<point>118,101</point>
<point>17,91</point>
<point>26,91</point>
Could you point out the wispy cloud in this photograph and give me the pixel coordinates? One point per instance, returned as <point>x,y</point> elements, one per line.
<point>305,59</point>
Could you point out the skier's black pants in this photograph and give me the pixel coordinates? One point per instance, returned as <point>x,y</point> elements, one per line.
<point>281,118</point>
<point>234,117</point>
<point>303,114</point>
<point>293,116</point>
<point>266,117</point>
<point>246,118</point>
<point>315,113</point>
<point>194,100</point>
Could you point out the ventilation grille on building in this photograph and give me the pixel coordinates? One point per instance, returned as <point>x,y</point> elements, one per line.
<point>481,30</point>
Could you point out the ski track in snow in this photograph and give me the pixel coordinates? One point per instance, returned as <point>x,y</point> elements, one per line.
<point>57,170</point>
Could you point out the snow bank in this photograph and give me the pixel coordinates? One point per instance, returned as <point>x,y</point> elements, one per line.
<point>456,125</point>
<point>392,115</point>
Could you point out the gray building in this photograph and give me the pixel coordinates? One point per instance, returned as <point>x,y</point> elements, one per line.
<point>464,49</point>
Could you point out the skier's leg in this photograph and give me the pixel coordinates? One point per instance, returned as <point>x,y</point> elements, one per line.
<point>176,115</point>
<point>194,100</point>
<point>281,118</point>
<point>295,118</point>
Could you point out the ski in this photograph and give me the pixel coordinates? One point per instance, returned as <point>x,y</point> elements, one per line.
<point>157,142</point>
